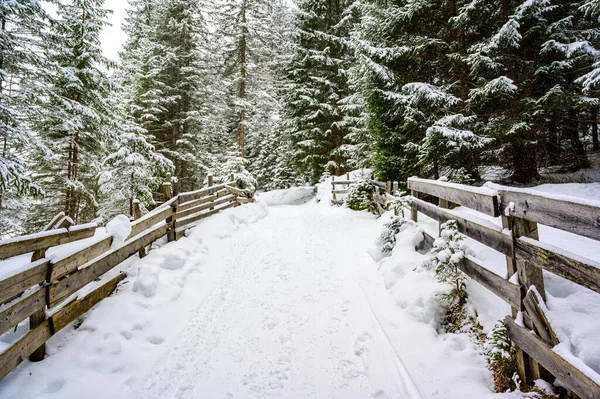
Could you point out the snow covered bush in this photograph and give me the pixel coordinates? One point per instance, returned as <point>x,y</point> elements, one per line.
<point>448,252</point>
<point>359,196</point>
<point>400,204</point>
<point>501,354</point>
<point>235,166</point>
<point>387,239</point>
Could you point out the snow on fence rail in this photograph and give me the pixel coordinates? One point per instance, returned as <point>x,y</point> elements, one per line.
<point>46,282</point>
<point>521,211</point>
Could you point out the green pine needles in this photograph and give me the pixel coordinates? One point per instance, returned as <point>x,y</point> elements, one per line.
<point>359,196</point>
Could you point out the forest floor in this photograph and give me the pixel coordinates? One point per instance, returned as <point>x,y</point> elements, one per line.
<point>285,298</point>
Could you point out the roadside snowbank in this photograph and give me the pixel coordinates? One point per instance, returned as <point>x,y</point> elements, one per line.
<point>292,196</point>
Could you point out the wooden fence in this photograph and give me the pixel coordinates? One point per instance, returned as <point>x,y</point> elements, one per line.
<point>46,283</point>
<point>526,256</point>
<point>383,192</point>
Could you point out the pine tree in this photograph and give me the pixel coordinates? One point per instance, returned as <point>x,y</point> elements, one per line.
<point>181,30</point>
<point>23,24</point>
<point>140,66</point>
<point>76,119</point>
<point>132,171</point>
<point>254,41</point>
<point>318,85</point>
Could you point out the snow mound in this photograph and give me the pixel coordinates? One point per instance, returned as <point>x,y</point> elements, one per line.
<point>119,228</point>
<point>292,196</point>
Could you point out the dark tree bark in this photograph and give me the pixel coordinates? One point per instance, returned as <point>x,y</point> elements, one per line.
<point>594,115</point>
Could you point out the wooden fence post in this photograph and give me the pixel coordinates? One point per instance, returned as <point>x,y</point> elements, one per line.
<point>528,275</point>
<point>442,203</point>
<point>395,187</point>
<point>168,194</point>
<point>40,317</point>
<point>137,213</point>
<point>211,182</point>
<point>414,214</point>
<point>333,188</point>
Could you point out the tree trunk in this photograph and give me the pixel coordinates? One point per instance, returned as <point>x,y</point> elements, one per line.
<point>242,85</point>
<point>594,112</point>
<point>571,130</point>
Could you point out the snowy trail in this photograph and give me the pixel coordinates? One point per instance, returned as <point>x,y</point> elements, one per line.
<point>283,302</point>
<point>288,319</point>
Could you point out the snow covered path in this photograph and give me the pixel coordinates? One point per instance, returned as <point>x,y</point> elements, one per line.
<point>255,303</point>
<point>287,319</point>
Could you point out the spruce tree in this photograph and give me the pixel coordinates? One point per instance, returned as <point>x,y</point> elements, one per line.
<point>23,25</point>
<point>318,86</point>
<point>181,30</point>
<point>76,118</point>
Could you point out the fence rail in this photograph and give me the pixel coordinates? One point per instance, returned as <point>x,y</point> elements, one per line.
<point>47,283</point>
<point>382,191</point>
<point>526,256</point>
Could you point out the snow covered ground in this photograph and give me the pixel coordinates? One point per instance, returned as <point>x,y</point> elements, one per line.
<point>281,299</point>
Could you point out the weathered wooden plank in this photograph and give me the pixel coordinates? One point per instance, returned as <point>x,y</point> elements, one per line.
<point>340,192</point>
<point>342,182</point>
<point>21,310</point>
<point>379,184</point>
<point>189,221</point>
<point>507,291</point>
<point>191,204</point>
<point>186,197</point>
<point>570,376</point>
<point>73,310</point>
<point>22,245</point>
<point>69,264</point>
<point>484,232</point>
<point>480,199</point>
<point>103,264</point>
<point>539,319</point>
<point>236,191</point>
<point>52,224</point>
<point>19,351</point>
<point>562,214</point>
<point>191,211</point>
<point>17,283</point>
<point>153,218</point>
<point>582,271</point>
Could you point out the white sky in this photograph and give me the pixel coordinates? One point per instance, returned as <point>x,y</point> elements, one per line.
<point>113,37</point>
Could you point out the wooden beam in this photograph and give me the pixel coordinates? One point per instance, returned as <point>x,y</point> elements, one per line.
<point>150,219</point>
<point>504,289</point>
<point>478,198</point>
<point>193,195</point>
<point>64,266</point>
<point>582,271</point>
<point>570,376</point>
<point>15,284</point>
<point>21,310</point>
<point>341,182</point>
<point>581,219</point>
<point>24,347</point>
<point>191,211</point>
<point>539,318</point>
<point>73,310</point>
<point>193,220</point>
<point>30,243</point>
<point>480,230</point>
<point>97,267</point>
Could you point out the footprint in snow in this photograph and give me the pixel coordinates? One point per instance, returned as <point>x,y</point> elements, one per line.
<point>155,340</point>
